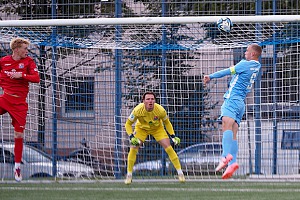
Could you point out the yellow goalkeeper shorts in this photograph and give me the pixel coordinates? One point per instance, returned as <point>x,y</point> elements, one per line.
<point>158,134</point>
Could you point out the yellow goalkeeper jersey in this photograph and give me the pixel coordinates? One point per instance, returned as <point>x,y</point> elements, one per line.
<point>149,120</point>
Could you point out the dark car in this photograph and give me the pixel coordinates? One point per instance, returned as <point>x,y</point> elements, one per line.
<point>90,157</point>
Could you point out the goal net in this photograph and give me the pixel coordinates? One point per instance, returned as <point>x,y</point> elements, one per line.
<point>94,71</point>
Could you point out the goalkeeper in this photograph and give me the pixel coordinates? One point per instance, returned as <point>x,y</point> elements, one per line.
<point>150,119</point>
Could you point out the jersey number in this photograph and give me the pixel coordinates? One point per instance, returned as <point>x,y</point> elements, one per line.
<point>252,79</point>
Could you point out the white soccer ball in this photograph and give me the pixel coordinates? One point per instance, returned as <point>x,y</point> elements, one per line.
<point>224,24</point>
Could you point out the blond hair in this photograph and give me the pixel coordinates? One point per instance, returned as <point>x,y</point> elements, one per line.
<point>257,49</point>
<point>17,43</point>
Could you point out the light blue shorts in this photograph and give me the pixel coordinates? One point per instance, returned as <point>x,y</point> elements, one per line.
<point>234,109</point>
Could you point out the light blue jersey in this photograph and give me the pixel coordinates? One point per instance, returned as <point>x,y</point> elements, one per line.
<point>244,74</point>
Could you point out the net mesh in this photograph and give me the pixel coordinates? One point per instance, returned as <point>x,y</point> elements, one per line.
<point>93,75</point>
<point>185,36</point>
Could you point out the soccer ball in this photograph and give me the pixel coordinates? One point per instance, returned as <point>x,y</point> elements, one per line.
<point>224,24</point>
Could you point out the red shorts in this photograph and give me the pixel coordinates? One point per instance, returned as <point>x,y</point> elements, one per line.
<point>17,109</point>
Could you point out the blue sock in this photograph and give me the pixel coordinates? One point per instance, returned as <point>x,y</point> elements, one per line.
<point>233,151</point>
<point>226,142</point>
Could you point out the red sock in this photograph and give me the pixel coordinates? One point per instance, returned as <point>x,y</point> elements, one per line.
<point>18,149</point>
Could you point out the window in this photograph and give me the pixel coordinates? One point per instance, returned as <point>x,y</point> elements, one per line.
<point>290,139</point>
<point>77,96</point>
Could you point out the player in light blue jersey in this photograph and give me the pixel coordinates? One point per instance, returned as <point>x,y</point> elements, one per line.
<point>244,74</point>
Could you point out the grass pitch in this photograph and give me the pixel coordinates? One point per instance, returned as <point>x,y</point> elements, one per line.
<point>223,190</point>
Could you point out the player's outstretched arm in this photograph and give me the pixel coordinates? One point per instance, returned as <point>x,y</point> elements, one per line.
<point>171,132</point>
<point>128,127</point>
<point>222,73</point>
<point>169,126</point>
<point>206,79</point>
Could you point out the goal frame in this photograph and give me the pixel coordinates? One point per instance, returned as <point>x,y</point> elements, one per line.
<point>114,23</point>
<point>148,20</point>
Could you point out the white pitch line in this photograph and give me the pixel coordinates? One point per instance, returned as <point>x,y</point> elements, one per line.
<point>149,189</point>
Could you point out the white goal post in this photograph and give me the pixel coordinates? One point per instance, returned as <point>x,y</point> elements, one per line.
<point>94,71</point>
<point>244,30</point>
<point>149,20</point>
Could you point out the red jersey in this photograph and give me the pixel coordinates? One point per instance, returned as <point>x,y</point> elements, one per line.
<point>18,87</point>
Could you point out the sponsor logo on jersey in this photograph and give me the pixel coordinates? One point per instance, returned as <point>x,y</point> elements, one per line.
<point>7,64</point>
<point>13,71</point>
<point>131,117</point>
<point>21,65</point>
<point>155,118</point>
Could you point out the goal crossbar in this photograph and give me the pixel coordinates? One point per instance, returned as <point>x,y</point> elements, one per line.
<point>148,20</point>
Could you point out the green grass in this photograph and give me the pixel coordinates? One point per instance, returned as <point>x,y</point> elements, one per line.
<point>231,190</point>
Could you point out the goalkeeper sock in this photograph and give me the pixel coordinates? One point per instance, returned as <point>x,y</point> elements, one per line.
<point>129,173</point>
<point>173,157</point>
<point>233,151</point>
<point>179,171</point>
<point>226,142</point>
<point>131,159</point>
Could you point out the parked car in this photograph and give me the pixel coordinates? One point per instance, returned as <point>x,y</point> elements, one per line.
<point>36,163</point>
<point>84,156</point>
<point>198,159</point>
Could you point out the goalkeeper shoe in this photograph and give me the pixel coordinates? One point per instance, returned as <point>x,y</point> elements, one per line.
<point>181,178</point>
<point>18,175</point>
<point>128,179</point>
<point>224,162</point>
<point>230,170</point>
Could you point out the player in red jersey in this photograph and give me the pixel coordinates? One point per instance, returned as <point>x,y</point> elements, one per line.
<point>16,72</point>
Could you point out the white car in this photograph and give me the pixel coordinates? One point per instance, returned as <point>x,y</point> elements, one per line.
<point>197,159</point>
<point>36,163</point>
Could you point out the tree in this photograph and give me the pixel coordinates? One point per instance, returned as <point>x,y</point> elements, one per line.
<point>42,9</point>
<point>163,67</point>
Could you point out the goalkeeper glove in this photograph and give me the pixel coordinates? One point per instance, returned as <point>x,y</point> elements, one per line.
<point>133,140</point>
<point>175,139</point>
